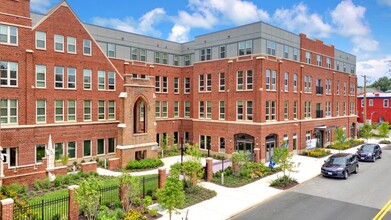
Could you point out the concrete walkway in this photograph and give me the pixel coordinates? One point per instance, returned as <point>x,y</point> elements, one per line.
<point>232,201</point>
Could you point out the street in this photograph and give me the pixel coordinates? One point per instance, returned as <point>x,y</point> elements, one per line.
<point>362,196</point>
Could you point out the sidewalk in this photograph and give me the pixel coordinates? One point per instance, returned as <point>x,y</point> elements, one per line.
<point>231,201</point>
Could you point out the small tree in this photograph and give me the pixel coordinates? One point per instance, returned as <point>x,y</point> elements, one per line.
<point>384,129</point>
<point>238,160</point>
<point>166,141</point>
<point>366,131</point>
<point>88,196</point>
<point>283,158</point>
<point>133,186</point>
<point>340,138</point>
<point>172,195</point>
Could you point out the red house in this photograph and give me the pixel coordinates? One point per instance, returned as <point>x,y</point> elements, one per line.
<point>378,107</point>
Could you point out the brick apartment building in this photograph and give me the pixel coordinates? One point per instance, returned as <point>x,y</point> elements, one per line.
<point>378,107</point>
<point>106,93</point>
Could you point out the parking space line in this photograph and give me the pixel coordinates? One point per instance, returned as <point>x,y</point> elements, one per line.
<point>383,211</point>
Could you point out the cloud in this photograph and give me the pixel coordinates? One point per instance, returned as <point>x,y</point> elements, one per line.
<point>374,69</point>
<point>350,22</point>
<point>145,24</point>
<point>179,34</point>
<point>298,19</point>
<point>40,6</point>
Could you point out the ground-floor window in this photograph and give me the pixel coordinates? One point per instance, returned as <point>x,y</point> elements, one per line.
<point>205,142</point>
<point>294,142</point>
<point>100,145</point>
<point>39,152</point>
<point>139,155</point>
<point>222,145</point>
<point>87,148</point>
<point>71,148</point>
<point>111,142</point>
<point>59,150</point>
<point>10,156</point>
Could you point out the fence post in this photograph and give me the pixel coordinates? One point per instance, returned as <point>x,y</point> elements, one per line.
<point>209,169</point>
<point>43,209</point>
<point>257,155</point>
<point>7,209</point>
<point>161,177</point>
<point>73,210</point>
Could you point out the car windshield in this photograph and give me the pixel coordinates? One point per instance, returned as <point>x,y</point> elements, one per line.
<point>336,160</point>
<point>367,148</point>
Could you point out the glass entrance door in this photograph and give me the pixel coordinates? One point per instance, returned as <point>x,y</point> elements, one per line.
<point>269,150</point>
<point>245,147</point>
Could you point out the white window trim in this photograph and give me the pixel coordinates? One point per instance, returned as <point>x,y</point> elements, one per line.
<point>90,149</point>
<point>36,113</point>
<point>90,47</point>
<point>104,146</point>
<point>55,112</point>
<point>104,110</point>
<point>55,42</point>
<point>36,77</point>
<point>72,158</point>
<point>104,80</point>
<point>75,52</point>
<point>68,114</point>
<point>36,40</point>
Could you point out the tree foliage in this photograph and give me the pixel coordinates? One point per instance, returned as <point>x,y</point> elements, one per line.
<point>384,83</point>
<point>88,196</point>
<point>340,138</point>
<point>133,186</point>
<point>366,131</point>
<point>172,195</point>
<point>384,129</point>
<point>283,158</point>
<point>238,160</point>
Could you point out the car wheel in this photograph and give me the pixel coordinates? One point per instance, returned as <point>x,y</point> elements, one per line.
<point>356,170</point>
<point>345,175</point>
<point>374,158</point>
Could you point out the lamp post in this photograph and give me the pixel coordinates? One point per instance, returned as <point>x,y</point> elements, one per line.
<point>365,99</point>
<point>182,149</point>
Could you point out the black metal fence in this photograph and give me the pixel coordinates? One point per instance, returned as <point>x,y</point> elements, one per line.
<point>45,209</point>
<point>149,185</point>
<point>109,194</point>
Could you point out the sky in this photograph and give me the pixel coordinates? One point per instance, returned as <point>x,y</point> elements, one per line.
<point>359,27</point>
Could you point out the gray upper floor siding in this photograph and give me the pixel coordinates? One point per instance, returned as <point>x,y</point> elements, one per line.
<point>208,46</point>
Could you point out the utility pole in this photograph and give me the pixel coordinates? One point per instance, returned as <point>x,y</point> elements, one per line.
<point>365,99</point>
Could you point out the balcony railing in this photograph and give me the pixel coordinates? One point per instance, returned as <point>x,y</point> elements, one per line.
<point>319,90</point>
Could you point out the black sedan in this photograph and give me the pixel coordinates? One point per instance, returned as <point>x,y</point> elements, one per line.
<point>369,152</point>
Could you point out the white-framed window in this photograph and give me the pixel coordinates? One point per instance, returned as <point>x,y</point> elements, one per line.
<point>87,148</point>
<point>165,58</point>
<point>286,51</point>
<point>186,85</point>
<point>71,78</point>
<point>164,109</point>
<point>205,142</point>
<point>157,109</point>
<point>87,47</point>
<point>59,111</point>
<point>222,51</point>
<point>101,80</point>
<point>201,109</point>
<point>41,111</point>
<point>165,84</point>
<point>308,57</point>
<point>344,108</point>
<point>208,82</point>
<point>239,81</point>
<point>176,60</point>
<point>9,74</point>
<point>58,43</point>
<point>328,109</point>
<point>308,135</point>
<point>245,47</point>
<point>249,110</point>
<point>286,75</point>
<point>157,57</point>
<point>111,80</point>
<point>352,108</point>
<point>274,80</point>
<point>307,84</point>
<point>100,146</point>
<point>201,83</point>
<point>239,110</point>
<point>209,109</point>
<point>187,60</point>
<point>271,47</point>
<point>58,150</point>
<point>344,88</point>
<point>221,82</point>
<point>59,77</point>
<point>337,64</point>
<point>111,50</point>
<point>337,109</point>
<point>187,109</point>
<point>8,35</point>
<point>221,144</point>
<point>10,155</point>
<point>328,62</point>
<point>270,111</point>
<point>143,55</point>
<point>39,152</point>
<point>8,111</point>
<point>221,110</point>
<point>307,109</point>
<point>176,109</point>
<point>370,102</point>
<point>87,79</point>
<point>71,45</point>
<point>294,109</point>
<point>286,105</point>
<point>176,85</point>
<point>40,76</point>
<point>295,54</point>
<point>111,143</point>
<point>385,103</point>
<point>249,80</point>
<point>267,81</point>
<point>294,82</point>
<point>71,110</point>
<point>362,102</point>
<point>111,109</point>
<point>134,53</point>
<point>206,54</point>
<point>157,84</point>
<point>338,87</point>
<point>87,110</point>
<point>319,60</point>
<point>71,150</point>
<point>40,40</point>
<point>101,110</point>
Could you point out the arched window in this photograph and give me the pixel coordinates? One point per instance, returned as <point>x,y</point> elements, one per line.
<point>139,116</point>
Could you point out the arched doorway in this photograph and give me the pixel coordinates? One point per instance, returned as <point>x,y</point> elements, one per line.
<point>244,143</point>
<point>270,145</point>
<point>139,118</point>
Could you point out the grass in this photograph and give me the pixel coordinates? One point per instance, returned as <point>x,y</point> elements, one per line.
<point>196,195</point>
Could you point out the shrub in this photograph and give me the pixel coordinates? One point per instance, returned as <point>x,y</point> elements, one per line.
<point>384,142</point>
<point>136,201</point>
<point>38,184</point>
<point>58,181</point>
<point>132,214</point>
<point>317,152</point>
<point>46,183</point>
<point>283,182</point>
<point>66,180</point>
<point>149,163</point>
<point>153,212</point>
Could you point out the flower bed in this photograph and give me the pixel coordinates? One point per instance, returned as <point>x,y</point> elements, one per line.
<point>150,163</point>
<point>317,152</point>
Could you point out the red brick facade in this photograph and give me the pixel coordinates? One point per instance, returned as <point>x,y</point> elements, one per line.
<point>378,107</point>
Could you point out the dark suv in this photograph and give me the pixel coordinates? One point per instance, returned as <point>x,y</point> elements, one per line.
<point>369,152</point>
<point>340,165</point>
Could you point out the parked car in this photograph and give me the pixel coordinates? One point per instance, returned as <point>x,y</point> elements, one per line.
<point>369,152</point>
<point>340,165</point>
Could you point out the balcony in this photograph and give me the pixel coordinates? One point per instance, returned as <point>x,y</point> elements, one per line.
<point>319,90</point>
<point>319,113</point>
